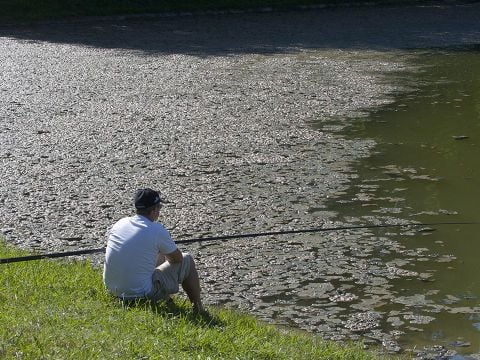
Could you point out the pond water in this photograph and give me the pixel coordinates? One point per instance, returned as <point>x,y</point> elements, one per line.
<point>238,157</point>
<point>426,169</point>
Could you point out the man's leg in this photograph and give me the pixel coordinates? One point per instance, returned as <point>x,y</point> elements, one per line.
<point>191,285</point>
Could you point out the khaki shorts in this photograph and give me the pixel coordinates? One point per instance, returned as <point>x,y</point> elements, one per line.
<point>167,277</point>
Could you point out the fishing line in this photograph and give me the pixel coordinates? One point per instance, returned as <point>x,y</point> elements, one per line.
<point>230,237</point>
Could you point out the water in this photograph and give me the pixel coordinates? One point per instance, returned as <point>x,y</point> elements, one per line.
<point>242,168</point>
<point>426,169</point>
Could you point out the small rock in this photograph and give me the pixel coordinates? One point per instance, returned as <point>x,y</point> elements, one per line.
<point>426,229</point>
<point>460,343</point>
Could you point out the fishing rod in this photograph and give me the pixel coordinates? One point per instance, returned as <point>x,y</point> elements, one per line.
<point>234,236</point>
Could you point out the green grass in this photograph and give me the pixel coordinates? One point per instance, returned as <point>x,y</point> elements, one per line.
<point>28,10</point>
<point>60,310</point>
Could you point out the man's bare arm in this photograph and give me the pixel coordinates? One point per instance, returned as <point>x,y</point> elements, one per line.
<point>174,257</point>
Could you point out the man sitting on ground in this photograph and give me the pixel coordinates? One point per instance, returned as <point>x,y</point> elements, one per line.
<point>137,248</point>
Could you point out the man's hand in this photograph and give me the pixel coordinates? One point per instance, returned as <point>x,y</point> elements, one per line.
<point>174,257</point>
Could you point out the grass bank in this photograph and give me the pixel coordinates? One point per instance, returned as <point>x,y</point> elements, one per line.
<point>51,309</point>
<point>31,10</point>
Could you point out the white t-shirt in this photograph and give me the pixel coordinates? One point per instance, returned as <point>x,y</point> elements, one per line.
<point>132,249</point>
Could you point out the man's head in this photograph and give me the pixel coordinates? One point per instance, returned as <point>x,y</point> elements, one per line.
<point>148,202</point>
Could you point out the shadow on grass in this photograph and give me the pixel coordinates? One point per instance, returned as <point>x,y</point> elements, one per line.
<point>177,308</point>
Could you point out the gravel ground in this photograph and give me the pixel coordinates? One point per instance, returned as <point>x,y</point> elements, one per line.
<point>235,117</point>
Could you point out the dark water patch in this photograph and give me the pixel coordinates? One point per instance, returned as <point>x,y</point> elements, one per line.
<point>425,168</point>
<point>267,33</point>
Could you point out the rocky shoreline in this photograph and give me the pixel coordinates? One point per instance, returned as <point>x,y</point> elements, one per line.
<point>221,136</point>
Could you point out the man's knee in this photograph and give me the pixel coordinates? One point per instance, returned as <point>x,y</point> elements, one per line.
<point>188,265</point>
<point>189,258</point>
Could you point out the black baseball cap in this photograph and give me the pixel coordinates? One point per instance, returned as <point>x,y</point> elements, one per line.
<point>145,198</point>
